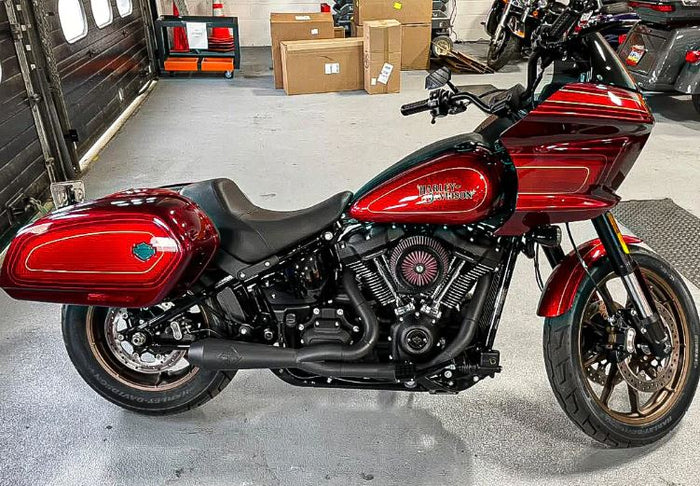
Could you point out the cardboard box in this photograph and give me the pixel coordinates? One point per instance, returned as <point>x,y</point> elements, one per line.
<point>339,32</point>
<point>405,11</point>
<point>322,66</point>
<point>296,26</point>
<point>382,56</point>
<point>415,46</point>
<point>356,30</point>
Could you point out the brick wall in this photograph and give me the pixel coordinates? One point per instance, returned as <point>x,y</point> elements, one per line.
<point>254,16</point>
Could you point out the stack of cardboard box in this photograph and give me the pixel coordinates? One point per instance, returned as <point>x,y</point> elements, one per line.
<point>308,55</point>
<point>415,18</point>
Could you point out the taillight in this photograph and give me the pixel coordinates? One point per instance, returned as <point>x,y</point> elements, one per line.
<point>653,6</point>
<point>692,57</point>
<point>325,7</point>
<point>621,38</point>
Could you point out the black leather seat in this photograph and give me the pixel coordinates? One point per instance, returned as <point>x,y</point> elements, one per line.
<point>250,233</point>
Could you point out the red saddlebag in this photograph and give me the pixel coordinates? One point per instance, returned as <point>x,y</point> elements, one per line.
<point>130,249</point>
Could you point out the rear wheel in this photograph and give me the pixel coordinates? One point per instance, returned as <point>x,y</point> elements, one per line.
<point>632,401</point>
<point>696,102</point>
<point>502,50</point>
<point>137,373</point>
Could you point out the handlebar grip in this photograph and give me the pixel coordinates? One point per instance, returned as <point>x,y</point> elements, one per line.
<point>417,107</point>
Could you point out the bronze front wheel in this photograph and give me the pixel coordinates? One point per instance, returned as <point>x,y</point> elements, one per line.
<point>633,398</point>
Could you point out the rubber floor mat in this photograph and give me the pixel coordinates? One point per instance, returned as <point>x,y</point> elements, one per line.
<point>669,229</point>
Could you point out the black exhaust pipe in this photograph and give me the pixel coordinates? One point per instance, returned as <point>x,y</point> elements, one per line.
<point>221,354</point>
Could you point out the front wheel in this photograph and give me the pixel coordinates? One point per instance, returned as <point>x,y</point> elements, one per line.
<point>139,374</point>
<point>502,49</point>
<point>635,399</point>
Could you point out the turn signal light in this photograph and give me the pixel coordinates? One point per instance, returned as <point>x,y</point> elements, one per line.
<point>653,6</point>
<point>692,57</point>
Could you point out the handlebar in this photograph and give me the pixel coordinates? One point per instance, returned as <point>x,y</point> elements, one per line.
<point>416,107</point>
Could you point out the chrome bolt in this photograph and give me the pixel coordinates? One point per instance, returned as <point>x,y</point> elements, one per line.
<point>138,339</point>
<point>241,275</point>
<point>267,264</point>
<point>337,324</point>
<point>268,334</point>
<point>451,383</point>
<point>475,379</point>
<point>328,236</point>
<point>120,337</point>
<point>340,312</point>
<point>317,311</point>
<point>448,374</point>
<point>300,327</point>
<point>355,328</point>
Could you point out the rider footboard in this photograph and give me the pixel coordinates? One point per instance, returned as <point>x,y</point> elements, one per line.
<point>130,249</point>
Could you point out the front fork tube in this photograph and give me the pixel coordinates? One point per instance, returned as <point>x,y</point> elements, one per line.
<point>502,22</point>
<point>649,323</point>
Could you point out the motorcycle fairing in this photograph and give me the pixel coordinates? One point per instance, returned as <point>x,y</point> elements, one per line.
<point>560,290</point>
<point>572,152</point>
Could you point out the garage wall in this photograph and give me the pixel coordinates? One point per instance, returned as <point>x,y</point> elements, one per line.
<point>470,14</point>
<point>254,16</point>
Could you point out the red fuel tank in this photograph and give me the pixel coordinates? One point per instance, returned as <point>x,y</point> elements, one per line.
<point>130,249</point>
<point>450,188</point>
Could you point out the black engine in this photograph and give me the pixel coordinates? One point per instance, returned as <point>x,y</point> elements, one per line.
<point>419,280</point>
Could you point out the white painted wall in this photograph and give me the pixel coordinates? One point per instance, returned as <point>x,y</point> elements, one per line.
<point>254,16</point>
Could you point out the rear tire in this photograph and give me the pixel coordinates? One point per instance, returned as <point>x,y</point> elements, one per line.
<point>696,102</point>
<point>102,369</point>
<point>574,387</point>
<point>501,54</point>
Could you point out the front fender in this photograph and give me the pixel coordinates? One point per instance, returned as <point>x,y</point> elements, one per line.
<point>560,289</point>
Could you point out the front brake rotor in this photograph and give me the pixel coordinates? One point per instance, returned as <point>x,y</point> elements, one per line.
<point>645,372</point>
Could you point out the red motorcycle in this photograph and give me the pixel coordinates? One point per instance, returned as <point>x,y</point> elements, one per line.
<point>401,285</point>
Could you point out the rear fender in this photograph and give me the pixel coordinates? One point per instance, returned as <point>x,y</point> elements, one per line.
<point>562,285</point>
<point>688,80</point>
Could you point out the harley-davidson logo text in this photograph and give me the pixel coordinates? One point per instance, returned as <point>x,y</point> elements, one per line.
<point>445,191</point>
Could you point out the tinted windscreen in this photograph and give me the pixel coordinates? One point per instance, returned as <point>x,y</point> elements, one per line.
<point>605,66</point>
<point>592,60</point>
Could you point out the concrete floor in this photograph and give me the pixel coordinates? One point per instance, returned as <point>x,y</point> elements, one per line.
<point>288,152</point>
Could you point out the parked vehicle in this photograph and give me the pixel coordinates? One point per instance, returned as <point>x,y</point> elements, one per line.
<point>401,285</point>
<point>511,25</point>
<point>663,51</point>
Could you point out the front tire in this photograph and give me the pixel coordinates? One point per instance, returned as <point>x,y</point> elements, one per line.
<point>131,384</point>
<point>595,393</point>
<point>503,50</point>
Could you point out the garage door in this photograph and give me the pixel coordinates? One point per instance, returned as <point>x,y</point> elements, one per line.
<point>22,168</point>
<point>100,50</point>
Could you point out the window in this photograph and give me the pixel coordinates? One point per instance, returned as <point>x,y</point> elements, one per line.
<point>101,12</point>
<point>72,18</point>
<point>124,7</point>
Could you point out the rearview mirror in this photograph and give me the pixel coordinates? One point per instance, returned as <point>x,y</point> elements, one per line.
<point>438,79</point>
